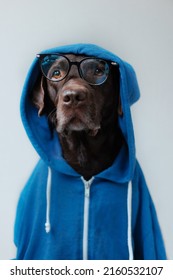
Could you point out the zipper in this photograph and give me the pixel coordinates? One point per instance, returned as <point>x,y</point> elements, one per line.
<point>87,187</point>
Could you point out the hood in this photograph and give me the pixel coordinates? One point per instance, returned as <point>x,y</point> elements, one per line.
<point>48,146</point>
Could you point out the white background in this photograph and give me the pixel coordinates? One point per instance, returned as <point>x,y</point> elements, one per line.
<point>140,32</point>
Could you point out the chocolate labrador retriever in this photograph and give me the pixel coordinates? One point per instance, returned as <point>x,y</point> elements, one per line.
<point>80,97</point>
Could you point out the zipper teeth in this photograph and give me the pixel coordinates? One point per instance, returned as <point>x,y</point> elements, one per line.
<point>87,185</point>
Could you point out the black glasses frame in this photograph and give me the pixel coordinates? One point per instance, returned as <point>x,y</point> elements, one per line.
<point>77,63</point>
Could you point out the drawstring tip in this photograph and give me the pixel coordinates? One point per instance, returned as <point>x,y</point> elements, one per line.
<point>48,201</point>
<point>47,227</point>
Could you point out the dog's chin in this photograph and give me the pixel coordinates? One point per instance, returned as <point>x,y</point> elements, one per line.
<point>77,125</point>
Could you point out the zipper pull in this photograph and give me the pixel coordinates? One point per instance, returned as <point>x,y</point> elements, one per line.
<point>87,185</point>
<point>87,189</point>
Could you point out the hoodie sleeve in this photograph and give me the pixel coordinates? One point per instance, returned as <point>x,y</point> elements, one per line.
<point>31,199</point>
<point>148,241</point>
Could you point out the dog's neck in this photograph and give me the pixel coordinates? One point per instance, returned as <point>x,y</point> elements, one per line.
<point>89,155</point>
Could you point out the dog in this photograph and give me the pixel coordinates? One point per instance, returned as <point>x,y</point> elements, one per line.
<point>87,197</point>
<point>85,117</point>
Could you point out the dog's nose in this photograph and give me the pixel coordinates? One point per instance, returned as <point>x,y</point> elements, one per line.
<point>74,98</point>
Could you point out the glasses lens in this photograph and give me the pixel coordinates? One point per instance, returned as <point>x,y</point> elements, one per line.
<point>94,71</point>
<point>54,67</point>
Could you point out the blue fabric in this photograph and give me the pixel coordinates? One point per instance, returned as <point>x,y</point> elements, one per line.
<point>108,215</point>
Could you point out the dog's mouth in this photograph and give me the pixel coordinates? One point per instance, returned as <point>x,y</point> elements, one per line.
<point>77,125</point>
<point>77,122</point>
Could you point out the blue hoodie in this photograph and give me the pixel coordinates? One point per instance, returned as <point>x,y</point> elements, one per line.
<point>60,216</point>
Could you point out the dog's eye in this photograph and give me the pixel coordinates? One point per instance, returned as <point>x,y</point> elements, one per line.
<point>99,72</point>
<point>56,74</point>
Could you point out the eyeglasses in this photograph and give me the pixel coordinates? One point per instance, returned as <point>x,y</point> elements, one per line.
<point>55,67</point>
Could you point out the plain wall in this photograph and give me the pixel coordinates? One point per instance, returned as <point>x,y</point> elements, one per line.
<point>140,32</point>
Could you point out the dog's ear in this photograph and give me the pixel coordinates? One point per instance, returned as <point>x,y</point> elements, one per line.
<point>38,95</point>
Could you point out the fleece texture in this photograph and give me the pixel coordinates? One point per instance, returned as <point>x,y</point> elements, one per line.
<point>115,219</point>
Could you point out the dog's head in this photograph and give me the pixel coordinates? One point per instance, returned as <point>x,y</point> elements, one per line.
<point>76,94</point>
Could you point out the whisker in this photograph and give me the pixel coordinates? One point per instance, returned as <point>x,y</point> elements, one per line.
<point>52,116</point>
<point>52,113</point>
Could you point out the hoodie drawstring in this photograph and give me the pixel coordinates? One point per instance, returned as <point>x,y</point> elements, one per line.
<point>48,201</point>
<point>129,215</point>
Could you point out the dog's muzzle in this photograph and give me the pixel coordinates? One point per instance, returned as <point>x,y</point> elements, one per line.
<point>77,110</point>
